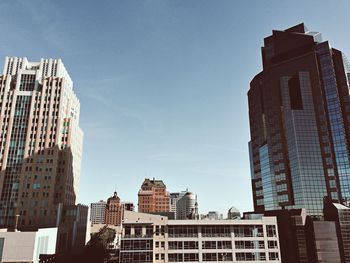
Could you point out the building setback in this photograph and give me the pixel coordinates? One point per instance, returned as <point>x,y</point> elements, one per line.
<point>299,113</point>
<point>151,238</point>
<point>153,197</point>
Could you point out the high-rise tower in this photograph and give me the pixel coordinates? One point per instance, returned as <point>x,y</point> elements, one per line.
<point>299,110</point>
<point>40,142</point>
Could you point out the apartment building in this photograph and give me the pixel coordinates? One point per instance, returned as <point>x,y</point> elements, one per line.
<point>153,197</point>
<point>153,238</point>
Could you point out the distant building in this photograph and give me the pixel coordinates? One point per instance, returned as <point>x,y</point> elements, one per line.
<point>114,210</point>
<point>186,206</point>
<point>153,197</point>
<point>97,213</point>
<point>129,206</point>
<point>233,213</point>
<point>27,246</point>
<point>213,215</point>
<point>174,197</point>
<point>152,238</point>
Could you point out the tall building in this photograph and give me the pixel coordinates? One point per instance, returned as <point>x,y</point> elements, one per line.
<point>40,142</point>
<point>97,214</point>
<point>114,210</point>
<point>153,197</point>
<point>299,113</point>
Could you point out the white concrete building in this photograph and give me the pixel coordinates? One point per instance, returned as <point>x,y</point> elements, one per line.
<point>97,214</point>
<point>150,238</point>
<point>26,246</point>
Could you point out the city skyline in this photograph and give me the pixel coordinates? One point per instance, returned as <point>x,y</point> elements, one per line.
<point>184,119</point>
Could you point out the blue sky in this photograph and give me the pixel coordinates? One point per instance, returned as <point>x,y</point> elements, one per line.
<point>162,84</point>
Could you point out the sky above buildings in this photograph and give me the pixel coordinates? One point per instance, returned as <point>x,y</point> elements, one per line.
<point>162,84</point>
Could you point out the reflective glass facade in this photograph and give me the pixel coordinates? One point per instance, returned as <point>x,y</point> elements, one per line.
<point>299,112</point>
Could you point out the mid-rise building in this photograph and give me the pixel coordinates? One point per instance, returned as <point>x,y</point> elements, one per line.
<point>114,210</point>
<point>299,113</point>
<point>40,142</point>
<point>174,197</point>
<point>97,214</point>
<point>153,238</point>
<point>153,197</point>
<point>187,207</point>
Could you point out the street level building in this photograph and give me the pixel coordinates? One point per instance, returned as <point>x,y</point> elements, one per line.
<point>27,246</point>
<point>299,113</point>
<point>153,197</point>
<point>152,238</point>
<point>98,212</point>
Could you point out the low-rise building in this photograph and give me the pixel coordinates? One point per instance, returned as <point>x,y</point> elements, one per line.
<point>151,238</point>
<point>27,246</point>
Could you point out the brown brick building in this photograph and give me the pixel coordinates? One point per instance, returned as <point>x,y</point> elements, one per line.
<point>153,197</point>
<point>114,210</point>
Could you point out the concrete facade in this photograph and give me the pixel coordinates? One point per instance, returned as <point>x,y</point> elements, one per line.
<point>150,238</point>
<point>27,246</point>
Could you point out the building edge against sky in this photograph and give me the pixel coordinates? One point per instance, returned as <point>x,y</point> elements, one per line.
<point>299,113</point>
<point>40,141</point>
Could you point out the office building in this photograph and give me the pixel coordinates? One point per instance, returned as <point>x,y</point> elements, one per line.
<point>174,197</point>
<point>153,238</point>
<point>299,113</point>
<point>187,207</point>
<point>153,197</point>
<point>97,214</point>
<point>114,211</point>
<point>40,142</point>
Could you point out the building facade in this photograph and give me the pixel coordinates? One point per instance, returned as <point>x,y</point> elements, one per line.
<point>156,239</point>
<point>299,107</point>
<point>97,214</point>
<point>114,211</point>
<point>153,197</point>
<point>40,142</point>
<point>187,207</point>
<point>30,244</point>
<point>340,215</point>
<point>174,197</point>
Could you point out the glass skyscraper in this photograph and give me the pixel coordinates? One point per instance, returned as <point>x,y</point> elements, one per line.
<point>299,112</point>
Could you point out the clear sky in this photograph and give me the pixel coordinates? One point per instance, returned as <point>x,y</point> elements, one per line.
<point>163,84</point>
